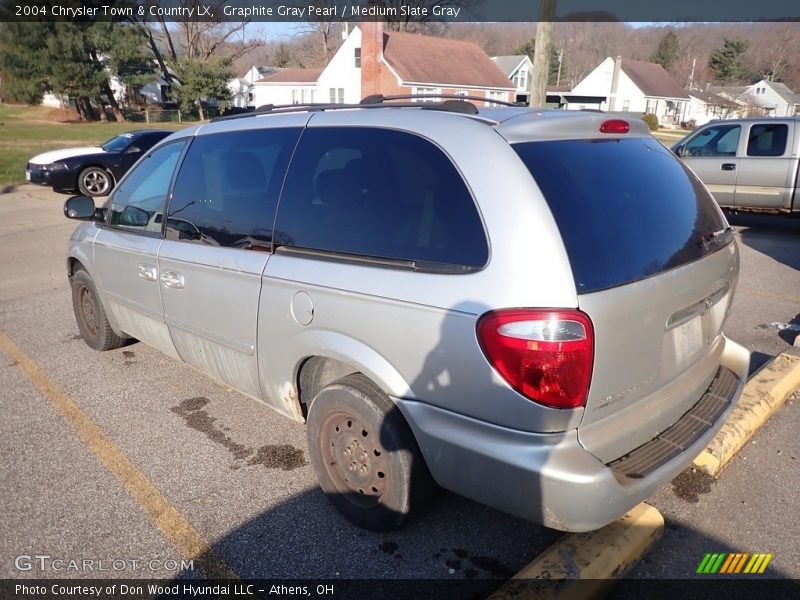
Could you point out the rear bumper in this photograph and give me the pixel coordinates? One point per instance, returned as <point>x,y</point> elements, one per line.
<point>547,478</point>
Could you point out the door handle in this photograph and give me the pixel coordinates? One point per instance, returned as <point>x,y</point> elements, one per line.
<point>147,272</point>
<point>728,166</point>
<point>172,279</point>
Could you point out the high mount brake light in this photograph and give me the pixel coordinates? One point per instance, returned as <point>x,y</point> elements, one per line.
<point>546,355</point>
<point>615,126</point>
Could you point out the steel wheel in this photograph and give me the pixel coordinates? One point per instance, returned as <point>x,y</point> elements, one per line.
<point>356,461</point>
<point>94,181</point>
<point>88,310</point>
<point>365,456</point>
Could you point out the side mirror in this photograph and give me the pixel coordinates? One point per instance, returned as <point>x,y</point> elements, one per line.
<point>133,216</point>
<point>82,208</point>
<point>679,150</point>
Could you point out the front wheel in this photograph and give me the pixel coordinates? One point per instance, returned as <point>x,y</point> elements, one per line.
<point>365,455</point>
<point>94,181</point>
<point>95,329</point>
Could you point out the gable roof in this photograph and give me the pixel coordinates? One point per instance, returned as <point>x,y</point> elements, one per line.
<point>303,76</point>
<point>435,60</point>
<point>713,99</point>
<point>784,92</point>
<point>652,79</point>
<point>509,64</point>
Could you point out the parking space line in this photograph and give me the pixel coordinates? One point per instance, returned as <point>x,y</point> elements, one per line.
<point>164,515</point>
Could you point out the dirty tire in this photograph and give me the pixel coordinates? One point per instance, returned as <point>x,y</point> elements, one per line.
<point>95,181</point>
<point>365,455</point>
<point>90,315</point>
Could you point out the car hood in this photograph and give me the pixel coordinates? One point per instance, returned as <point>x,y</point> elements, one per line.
<point>50,157</point>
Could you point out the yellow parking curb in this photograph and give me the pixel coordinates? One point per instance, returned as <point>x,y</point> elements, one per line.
<point>763,395</point>
<point>584,565</point>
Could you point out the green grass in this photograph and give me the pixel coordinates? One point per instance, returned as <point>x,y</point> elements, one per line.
<point>27,130</point>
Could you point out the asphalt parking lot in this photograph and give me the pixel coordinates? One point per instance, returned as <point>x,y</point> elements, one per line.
<point>225,475</point>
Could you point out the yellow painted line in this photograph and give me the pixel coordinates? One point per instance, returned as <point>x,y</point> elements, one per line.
<point>585,565</point>
<point>166,517</point>
<point>763,395</point>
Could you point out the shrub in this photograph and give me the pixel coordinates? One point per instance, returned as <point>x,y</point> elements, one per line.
<point>651,120</point>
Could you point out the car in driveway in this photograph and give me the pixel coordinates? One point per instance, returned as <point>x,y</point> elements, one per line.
<point>94,170</point>
<point>747,163</point>
<point>524,307</point>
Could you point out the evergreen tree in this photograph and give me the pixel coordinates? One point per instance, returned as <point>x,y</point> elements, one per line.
<point>726,61</point>
<point>667,52</point>
<point>202,80</point>
<point>24,59</point>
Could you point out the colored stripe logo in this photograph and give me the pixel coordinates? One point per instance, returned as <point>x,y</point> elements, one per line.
<point>732,564</point>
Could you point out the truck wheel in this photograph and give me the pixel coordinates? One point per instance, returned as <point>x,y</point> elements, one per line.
<point>90,315</point>
<point>365,455</point>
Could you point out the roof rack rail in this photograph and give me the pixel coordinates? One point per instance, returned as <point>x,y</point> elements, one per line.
<point>449,103</point>
<point>380,98</point>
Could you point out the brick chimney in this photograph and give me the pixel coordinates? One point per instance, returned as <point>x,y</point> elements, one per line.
<point>371,54</point>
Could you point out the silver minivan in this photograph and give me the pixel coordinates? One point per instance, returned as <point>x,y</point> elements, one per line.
<point>523,307</point>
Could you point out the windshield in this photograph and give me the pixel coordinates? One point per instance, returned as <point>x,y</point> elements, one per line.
<point>118,143</point>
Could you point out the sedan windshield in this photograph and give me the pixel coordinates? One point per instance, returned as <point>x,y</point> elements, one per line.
<point>118,143</point>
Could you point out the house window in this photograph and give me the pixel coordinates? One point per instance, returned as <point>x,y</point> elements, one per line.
<point>357,55</point>
<point>521,79</point>
<point>336,95</point>
<point>651,106</point>
<point>626,105</point>
<point>425,91</point>
<point>462,93</point>
<point>495,95</point>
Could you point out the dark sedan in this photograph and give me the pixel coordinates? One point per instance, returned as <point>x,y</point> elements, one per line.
<point>95,170</point>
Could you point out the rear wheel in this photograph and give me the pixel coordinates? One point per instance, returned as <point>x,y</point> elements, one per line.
<point>91,316</point>
<point>365,455</point>
<point>94,181</point>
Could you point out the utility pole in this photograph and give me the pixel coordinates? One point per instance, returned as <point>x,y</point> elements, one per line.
<point>541,55</point>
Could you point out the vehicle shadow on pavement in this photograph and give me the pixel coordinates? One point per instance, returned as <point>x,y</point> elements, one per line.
<point>776,236</point>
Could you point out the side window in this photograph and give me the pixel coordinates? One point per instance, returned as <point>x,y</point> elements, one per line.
<point>227,188</point>
<point>768,139</point>
<point>379,193</point>
<point>718,140</point>
<point>138,203</point>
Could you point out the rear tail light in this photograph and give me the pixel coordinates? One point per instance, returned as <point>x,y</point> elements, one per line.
<point>546,355</point>
<point>615,126</point>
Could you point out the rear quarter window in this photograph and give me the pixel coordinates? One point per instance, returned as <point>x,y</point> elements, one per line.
<point>627,209</point>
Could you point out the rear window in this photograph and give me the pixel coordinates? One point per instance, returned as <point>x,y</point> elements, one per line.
<point>626,208</point>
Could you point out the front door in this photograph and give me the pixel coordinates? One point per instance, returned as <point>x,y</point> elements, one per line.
<point>218,241</point>
<point>126,249</point>
<point>712,154</point>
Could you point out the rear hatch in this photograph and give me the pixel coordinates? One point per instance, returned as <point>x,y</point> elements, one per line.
<point>655,266</point>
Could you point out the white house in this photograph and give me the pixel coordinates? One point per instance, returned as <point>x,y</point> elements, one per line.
<point>625,85</point>
<point>374,61</point>
<point>775,98</point>
<point>518,69</point>
<point>241,92</point>
<point>340,82</point>
<point>290,86</point>
<point>706,106</point>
